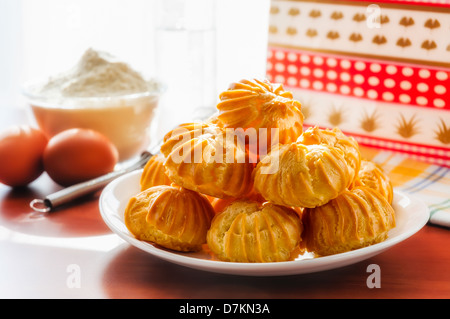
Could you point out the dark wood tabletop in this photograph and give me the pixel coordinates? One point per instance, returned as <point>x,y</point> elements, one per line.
<point>71,253</point>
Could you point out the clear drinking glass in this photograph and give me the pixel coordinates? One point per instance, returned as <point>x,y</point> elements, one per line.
<point>186,56</point>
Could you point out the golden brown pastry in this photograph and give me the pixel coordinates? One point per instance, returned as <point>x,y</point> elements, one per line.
<point>335,138</point>
<point>154,173</point>
<point>355,219</point>
<point>261,106</point>
<point>302,175</point>
<point>219,204</point>
<point>248,231</point>
<point>373,176</point>
<point>170,216</point>
<point>203,158</point>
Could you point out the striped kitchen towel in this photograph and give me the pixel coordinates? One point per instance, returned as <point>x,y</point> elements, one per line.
<point>429,182</point>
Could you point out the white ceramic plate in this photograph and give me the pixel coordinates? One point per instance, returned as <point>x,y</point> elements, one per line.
<point>411,216</point>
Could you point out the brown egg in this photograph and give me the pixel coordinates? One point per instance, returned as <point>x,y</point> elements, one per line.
<point>77,155</point>
<point>21,149</point>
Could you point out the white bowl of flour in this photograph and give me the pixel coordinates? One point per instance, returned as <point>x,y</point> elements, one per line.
<point>100,93</point>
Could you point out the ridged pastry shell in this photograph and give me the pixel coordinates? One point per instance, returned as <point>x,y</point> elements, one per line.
<point>203,158</point>
<point>219,204</point>
<point>302,175</point>
<point>154,173</point>
<point>355,219</point>
<point>335,138</point>
<point>248,231</point>
<point>170,216</point>
<point>373,176</point>
<point>259,104</point>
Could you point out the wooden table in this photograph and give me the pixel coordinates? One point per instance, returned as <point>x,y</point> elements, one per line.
<point>72,254</point>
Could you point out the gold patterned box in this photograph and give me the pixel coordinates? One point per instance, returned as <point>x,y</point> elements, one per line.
<point>379,70</point>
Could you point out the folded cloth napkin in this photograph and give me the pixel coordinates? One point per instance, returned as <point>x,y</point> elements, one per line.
<point>430,183</point>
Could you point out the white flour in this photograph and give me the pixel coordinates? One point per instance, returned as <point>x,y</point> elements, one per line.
<point>97,74</point>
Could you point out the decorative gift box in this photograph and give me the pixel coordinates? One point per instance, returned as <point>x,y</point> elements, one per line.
<point>379,70</point>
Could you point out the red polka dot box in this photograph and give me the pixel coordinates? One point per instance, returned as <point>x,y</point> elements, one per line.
<point>379,70</point>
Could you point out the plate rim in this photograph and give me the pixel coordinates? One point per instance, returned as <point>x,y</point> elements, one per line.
<point>260,269</point>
